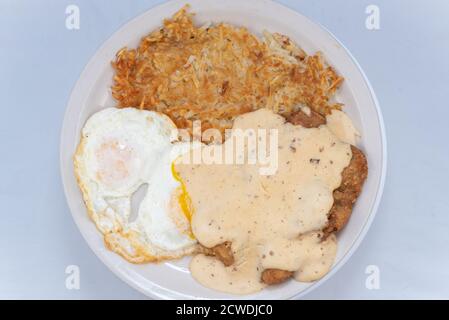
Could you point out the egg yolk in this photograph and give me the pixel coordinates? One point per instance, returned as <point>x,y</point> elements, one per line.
<point>184,198</point>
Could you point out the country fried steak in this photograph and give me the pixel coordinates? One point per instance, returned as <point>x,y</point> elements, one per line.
<point>275,276</point>
<point>223,252</point>
<point>353,177</point>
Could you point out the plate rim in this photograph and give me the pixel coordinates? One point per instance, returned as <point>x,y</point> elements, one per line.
<point>372,211</point>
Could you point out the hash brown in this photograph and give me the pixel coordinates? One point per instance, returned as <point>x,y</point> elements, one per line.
<point>214,73</point>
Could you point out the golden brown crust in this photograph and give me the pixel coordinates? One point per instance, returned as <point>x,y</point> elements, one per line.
<point>300,118</point>
<point>352,179</point>
<point>223,252</point>
<point>275,276</point>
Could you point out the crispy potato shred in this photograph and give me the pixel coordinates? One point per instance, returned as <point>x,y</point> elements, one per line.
<point>215,73</point>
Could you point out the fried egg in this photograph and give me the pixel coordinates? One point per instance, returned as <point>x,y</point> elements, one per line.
<point>121,150</point>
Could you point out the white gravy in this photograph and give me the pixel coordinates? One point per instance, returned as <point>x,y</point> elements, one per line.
<point>272,221</point>
<point>341,125</point>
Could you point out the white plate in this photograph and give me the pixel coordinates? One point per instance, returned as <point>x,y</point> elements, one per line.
<point>92,93</point>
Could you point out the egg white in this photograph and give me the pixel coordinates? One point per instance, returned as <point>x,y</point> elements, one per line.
<point>120,150</point>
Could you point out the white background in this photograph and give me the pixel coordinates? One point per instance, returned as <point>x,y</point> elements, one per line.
<point>407,62</point>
